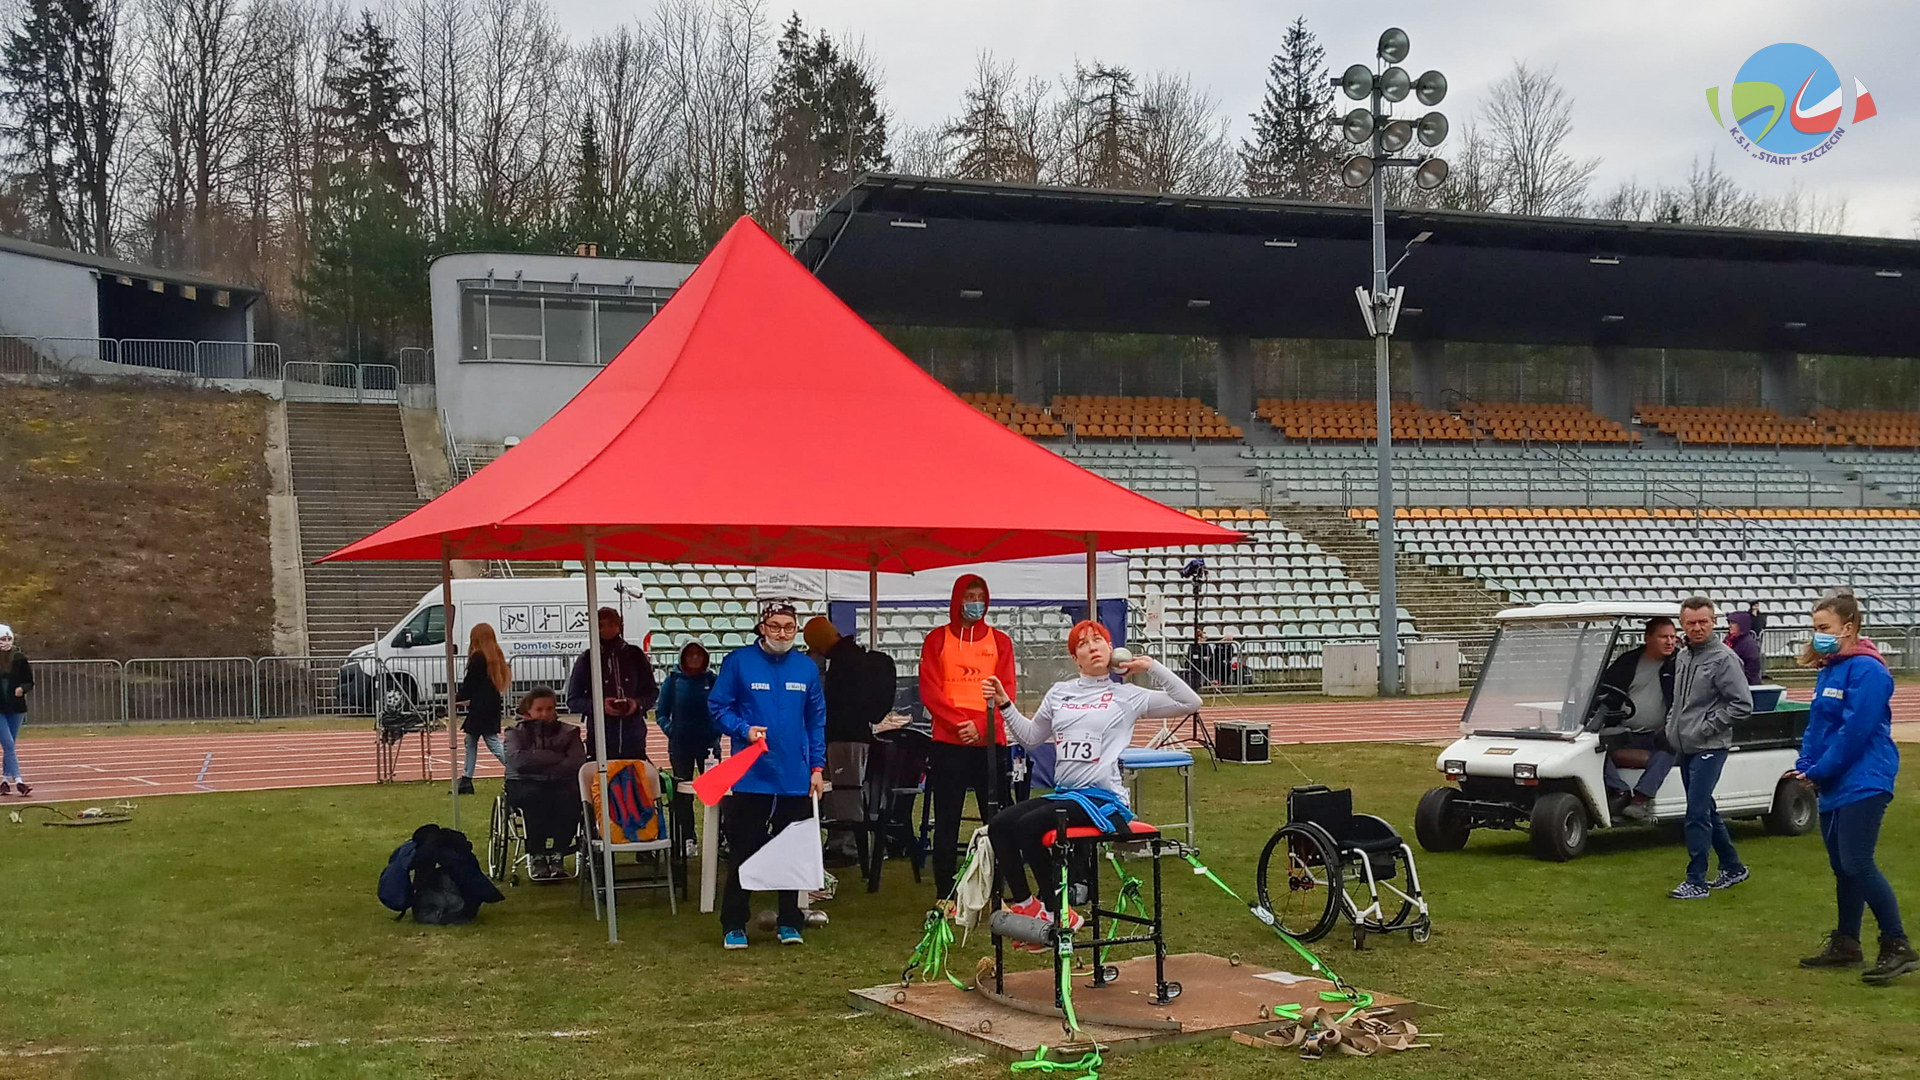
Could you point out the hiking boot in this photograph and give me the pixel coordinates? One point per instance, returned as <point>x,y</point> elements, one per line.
<point>1729,878</point>
<point>466,785</point>
<point>1690,890</point>
<point>1897,958</point>
<point>1840,951</point>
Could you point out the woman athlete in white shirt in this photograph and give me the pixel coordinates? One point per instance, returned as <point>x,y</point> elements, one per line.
<point>1089,720</point>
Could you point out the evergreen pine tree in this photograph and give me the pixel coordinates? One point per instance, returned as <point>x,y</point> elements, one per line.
<point>1294,148</point>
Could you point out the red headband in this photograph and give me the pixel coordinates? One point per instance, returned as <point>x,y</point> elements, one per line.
<point>1082,630</point>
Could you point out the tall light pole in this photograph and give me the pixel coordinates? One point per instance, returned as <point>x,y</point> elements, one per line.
<point>1380,305</point>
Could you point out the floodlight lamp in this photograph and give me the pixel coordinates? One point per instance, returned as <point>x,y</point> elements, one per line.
<point>1430,88</point>
<point>1357,81</point>
<point>1393,45</point>
<point>1357,125</point>
<point>1396,137</point>
<point>1431,174</point>
<point>1433,129</point>
<point>1357,171</point>
<point>1394,84</point>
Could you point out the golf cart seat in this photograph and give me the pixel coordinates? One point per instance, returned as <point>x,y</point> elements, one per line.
<point>1630,757</point>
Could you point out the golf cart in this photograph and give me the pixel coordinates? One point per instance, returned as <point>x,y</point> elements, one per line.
<point>1532,739</point>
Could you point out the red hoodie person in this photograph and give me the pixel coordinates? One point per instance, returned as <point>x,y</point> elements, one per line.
<point>953,661</point>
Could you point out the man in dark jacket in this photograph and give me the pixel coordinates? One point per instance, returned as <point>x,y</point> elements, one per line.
<point>859,685</point>
<point>627,682</point>
<point>1645,675</point>
<point>544,757</point>
<point>1710,696</point>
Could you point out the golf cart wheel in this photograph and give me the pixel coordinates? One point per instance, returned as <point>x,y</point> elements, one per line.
<point>1437,823</point>
<point>1559,827</point>
<point>1299,880</point>
<point>1795,808</point>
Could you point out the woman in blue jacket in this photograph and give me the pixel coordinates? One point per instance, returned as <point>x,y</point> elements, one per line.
<point>691,736</point>
<point>1848,755</point>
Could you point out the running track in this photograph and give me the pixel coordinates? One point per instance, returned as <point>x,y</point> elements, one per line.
<point>140,766</point>
<point>137,766</point>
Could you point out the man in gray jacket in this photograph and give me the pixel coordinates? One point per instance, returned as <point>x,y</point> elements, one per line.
<point>1709,696</point>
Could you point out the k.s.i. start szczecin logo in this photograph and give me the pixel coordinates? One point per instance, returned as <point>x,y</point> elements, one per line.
<point>1786,105</point>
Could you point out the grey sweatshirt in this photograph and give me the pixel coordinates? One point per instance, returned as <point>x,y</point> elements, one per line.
<point>1710,695</point>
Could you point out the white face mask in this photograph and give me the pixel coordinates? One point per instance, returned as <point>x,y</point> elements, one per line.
<point>776,646</point>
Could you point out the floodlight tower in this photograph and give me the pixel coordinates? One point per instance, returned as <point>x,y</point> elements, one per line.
<point>1380,306</point>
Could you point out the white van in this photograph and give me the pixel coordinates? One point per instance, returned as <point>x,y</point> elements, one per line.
<point>542,624</point>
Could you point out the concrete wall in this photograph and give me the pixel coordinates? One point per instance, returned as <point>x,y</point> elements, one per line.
<point>44,298</point>
<point>489,400</point>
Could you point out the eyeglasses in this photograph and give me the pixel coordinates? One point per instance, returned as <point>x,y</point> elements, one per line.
<point>780,629</point>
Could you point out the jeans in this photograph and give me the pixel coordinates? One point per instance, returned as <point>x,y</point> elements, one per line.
<point>473,751</point>
<point>1016,833</point>
<point>9,734</point>
<point>1850,832</point>
<point>952,769</point>
<point>1699,775</point>
<point>749,820</point>
<point>1659,764</point>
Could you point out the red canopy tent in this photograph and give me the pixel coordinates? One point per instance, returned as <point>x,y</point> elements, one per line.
<point>795,435</point>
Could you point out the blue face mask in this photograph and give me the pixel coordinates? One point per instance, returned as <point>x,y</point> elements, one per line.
<point>974,610</point>
<point>1826,644</point>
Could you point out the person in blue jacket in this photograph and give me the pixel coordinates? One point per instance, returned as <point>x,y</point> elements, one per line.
<point>768,691</point>
<point>1848,756</point>
<point>691,737</point>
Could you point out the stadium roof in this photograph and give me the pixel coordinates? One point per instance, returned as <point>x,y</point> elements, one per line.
<point>810,441</point>
<point>123,268</point>
<point>919,251</point>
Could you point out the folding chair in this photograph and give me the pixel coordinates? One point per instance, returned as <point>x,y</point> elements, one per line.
<point>646,831</point>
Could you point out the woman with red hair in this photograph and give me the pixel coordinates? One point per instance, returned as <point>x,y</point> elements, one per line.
<point>1089,720</point>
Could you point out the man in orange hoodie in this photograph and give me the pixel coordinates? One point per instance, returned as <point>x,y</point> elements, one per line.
<point>953,662</point>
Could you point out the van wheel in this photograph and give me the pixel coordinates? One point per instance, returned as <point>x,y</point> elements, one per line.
<point>1794,808</point>
<point>1559,827</point>
<point>1437,823</point>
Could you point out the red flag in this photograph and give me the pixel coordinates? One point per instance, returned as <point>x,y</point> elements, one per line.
<point>715,782</point>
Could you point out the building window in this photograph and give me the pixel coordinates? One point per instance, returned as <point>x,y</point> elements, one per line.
<point>552,321</point>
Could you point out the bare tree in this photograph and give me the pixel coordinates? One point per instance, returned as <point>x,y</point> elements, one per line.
<point>512,143</point>
<point>437,40</point>
<point>1529,118</point>
<point>623,87</point>
<point>923,151</point>
<point>1182,139</point>
<point>716,56</point>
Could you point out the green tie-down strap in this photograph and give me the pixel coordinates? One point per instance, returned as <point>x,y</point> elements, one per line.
<point>1088,1065</point>
<point>1129,901</point>
<point>1356,999</point>
<point>930,956</point>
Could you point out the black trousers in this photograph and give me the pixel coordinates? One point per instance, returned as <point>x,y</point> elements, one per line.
<point>551,810</point>
<point>749,820</point>
<point>1016,835</point>
<point>686,763</point>
<point>952,769</point>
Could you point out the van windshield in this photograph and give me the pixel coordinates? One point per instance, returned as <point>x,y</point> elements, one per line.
<point>427,627</point>
<point>1539,677</point>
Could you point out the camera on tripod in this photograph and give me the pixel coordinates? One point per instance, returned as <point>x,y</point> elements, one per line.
<point>1195,570</point>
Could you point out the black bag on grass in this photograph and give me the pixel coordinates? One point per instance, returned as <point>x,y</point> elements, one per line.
<point>436,876</point>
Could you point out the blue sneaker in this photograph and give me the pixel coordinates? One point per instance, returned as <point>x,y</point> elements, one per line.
<point>1690,890</point>
<point>1729,878</point>
<point>735,939</point>
<point>790,936</point>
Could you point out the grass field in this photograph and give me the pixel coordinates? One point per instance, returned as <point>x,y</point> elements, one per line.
<point>238,935</point>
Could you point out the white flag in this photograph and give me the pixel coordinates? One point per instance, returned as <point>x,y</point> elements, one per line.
<point>791,860</point>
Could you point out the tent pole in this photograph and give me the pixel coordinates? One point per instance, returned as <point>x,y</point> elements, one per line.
<point>1093,581</point>
<point>453,726</point>
<point>598,689</point>
<point>873,602</point>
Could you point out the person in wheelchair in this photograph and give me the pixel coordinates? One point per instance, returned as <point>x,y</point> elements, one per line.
<point>1643,676</point>
<point>1089,720</point>
<point>544,756</point>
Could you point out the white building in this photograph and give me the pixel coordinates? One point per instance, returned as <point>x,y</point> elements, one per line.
<point>515,336</point>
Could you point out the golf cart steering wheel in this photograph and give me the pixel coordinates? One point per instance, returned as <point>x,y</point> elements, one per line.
<point>1612,707</point>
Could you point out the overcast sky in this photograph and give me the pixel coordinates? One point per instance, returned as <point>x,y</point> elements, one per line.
<point>1638,70</point>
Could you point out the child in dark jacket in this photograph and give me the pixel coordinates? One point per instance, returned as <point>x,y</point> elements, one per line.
<point>691,736</point>
<point>544,757</point>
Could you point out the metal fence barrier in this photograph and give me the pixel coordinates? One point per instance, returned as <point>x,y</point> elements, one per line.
<point>162,357</point>
<point>310,380</point>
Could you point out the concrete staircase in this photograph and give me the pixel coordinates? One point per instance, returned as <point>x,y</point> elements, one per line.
<point>351,476</point>
<point>1444,605</point>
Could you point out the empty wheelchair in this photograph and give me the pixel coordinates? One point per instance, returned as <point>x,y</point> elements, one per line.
<point>1328,861</point>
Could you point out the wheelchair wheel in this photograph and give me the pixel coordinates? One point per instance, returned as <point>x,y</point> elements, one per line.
<point>1299,881</point>
<point>497,841</point>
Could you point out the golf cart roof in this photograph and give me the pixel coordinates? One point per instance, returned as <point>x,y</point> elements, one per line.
<point>1590,611</point>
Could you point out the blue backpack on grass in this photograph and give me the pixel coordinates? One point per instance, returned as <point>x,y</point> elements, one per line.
<point>436,876</point>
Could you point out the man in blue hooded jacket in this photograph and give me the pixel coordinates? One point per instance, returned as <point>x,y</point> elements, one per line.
<point>768,691</point>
